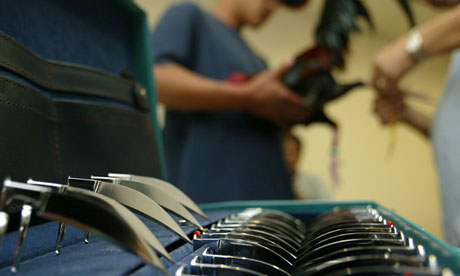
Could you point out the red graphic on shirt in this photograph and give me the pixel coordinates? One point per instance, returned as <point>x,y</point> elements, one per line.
<point>237,77</point>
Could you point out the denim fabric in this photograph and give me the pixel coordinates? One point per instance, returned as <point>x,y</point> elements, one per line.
<point>91,33</point>
<point>70,31</point>
<point>99,34</point>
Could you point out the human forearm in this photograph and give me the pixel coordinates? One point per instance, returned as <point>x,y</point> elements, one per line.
<point>393,61</point>
<point>263,95</point>
<point>441,34</point>
<point>180,88</point>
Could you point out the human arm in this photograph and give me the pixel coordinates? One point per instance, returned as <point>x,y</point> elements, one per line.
<point>263,95</point>
<point>439,35</point>
<point>179,87</point>
<point>391,108</point>
<point>182,89</point>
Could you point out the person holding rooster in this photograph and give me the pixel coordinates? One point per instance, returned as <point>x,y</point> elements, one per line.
<point>223,133</point>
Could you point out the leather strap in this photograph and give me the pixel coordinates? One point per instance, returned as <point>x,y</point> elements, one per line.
<point>69,77</point>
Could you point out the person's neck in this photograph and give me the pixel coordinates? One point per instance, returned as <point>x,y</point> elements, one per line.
<point>225,11</point>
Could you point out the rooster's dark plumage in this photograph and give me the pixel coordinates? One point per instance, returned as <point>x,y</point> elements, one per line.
<point>310,76</point>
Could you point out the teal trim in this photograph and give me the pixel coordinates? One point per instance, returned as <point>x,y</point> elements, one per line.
<point>447,255</point>
<point>142,66</point>
<point>143,58</point>
<point>153,97</point>
<point>285,205</point>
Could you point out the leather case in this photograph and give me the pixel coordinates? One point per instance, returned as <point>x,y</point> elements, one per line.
<point>52,125</point>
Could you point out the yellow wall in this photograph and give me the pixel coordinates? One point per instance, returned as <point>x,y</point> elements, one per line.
<point>406,182</point>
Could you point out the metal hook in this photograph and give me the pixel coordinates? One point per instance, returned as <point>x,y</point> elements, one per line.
<point>26,215</point>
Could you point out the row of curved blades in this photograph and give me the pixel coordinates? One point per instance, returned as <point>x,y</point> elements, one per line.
<point>259,242</point>
<point>100,205</point>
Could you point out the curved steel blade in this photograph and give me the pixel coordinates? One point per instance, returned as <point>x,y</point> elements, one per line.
<point>135,200</point>
<point>165,186</point>
<point>122,212</point>
<point>83,212</point>
<point>163,199</point>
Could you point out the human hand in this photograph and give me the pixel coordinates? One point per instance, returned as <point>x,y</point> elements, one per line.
<point>388,67</point>
<point>269,98</point>
<point>390,108</point>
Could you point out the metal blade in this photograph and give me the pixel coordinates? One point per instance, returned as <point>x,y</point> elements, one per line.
<point>83,212</point>
<point>220,269</point>
<point>119,210</point>
<point>4,218</point>
<point>135,200</point>
<point>165,186</point>
<point>260,266</point>
<point>163,199</point>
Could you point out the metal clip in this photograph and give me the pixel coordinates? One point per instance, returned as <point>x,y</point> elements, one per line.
<point>26,214</point>
<point>61,232</point>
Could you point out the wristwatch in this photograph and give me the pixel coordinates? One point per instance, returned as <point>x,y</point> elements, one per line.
<point>414,44</point>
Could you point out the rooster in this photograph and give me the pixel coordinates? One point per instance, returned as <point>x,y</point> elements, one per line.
<point>310,75</point>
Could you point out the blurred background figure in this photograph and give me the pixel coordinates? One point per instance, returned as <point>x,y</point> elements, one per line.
<point>223,133</point>
<point>408,182</point>
<point>391,64</point>
<point>306,185</point>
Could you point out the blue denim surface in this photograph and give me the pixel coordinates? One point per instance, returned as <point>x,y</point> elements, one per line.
<point>99,257</point>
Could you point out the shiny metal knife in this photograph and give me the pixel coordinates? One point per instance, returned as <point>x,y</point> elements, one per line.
<point>166,187</point>
<point>82,211</point>
<point>125,215</point>
<point>164,199</point>
<point>209,256</point>
<point>130,198</point>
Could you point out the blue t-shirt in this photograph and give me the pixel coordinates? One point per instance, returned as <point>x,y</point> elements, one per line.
<point>225,155</point>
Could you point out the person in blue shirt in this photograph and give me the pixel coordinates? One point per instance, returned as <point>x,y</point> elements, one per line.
<point>223,130</point>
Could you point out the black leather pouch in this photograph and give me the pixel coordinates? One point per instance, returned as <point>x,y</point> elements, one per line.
<point>75,89</point>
